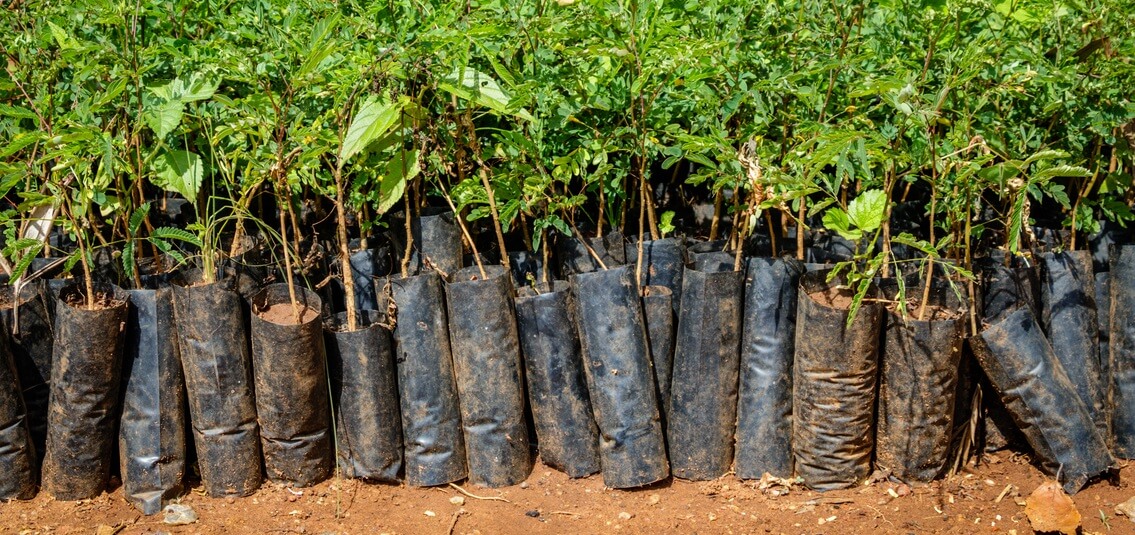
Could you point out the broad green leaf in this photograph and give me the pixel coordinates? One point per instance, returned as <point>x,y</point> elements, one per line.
<point>374,119</point>
<point>162,116</point>
<point>480,88</point>
<point>402,168</point>
<point>837,220</point>
<point>867,210</point>
<point>181,172</point>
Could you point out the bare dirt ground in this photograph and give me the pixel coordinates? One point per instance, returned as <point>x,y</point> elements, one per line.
<point>986,499</point>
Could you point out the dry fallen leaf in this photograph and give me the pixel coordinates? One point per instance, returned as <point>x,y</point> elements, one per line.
<point>1051,510</point>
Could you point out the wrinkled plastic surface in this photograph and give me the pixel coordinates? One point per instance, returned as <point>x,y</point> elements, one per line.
<point>151,440</point>
<point>1069,318</point>
<point>663,263</point>
<point>1034,387</point>
<point>292,400</point>
<point>764,411</point>
<point>918,387</point>
<point>18,474</point>
<point>364,390</point>
<point>427,389</point>
<point>557,387</point>
<point>613,338</point>
<point>30,339</point>
<point>490,387</point>
<point>218,383</point>
<point>1103,319</point>
<point>703,392</point>
<point>658,312</point>
<point>574,257</point>
<point>82,415</point>
<point>834,374</point>
<point>526,267</point>
<point>437,242</point>
<point>1122,344</point>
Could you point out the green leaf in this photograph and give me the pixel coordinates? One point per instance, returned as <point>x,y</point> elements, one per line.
<point>867,210</point>
<point>666,223</point>
<point>174,233</point>
<point>26,260</point>
<point>128,259</point>
<point>401,169</point>
<point>18,142</point>
<point>181,172</point>
<point>137,217</point>
<point>837,220</point>
<point>16,112</point>
<point>374,119</point>
<point>163,116</point>
<point>480,88</point>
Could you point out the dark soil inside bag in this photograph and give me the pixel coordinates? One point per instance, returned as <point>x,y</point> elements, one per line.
<point>490,385</point>
<point>364,390</point>
<point>918,384</point>
<point>152,438</point>
<point>18,464</point>
<point>215,358</point>
<point>1070,320</point>
<point>86,374</point>
<point>658,313</point>
<point>703,393</point>
<point>292,401</point>
<point>1122,349</point>
<point>427,389</point>
<point>834,375</point>
<point>557,386</point>
<point>612,334</point>
<point>30,338</point>
<point>1035,389</point>
<point>764,412</point>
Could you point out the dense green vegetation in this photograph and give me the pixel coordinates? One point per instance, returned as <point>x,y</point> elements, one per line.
<point>541,115</point>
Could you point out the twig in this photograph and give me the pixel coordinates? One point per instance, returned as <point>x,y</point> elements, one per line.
<point>565,513</point>
<point>453,523</point>
<point>475,497</point>
<point>1004,491</point>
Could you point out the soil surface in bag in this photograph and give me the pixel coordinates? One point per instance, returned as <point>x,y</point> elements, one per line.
<point>918,384</point>
<point>1122,345</point>
<point>364,389</point>
<point>427,389</point>
<point>1070,320</point>
<point>663,262</point>
<point>764,411</point>
<point>557,387</point>
<point>1034,387</point>
<point>703,391</point>
<point>292,401</point>
<point>437,242</point>
<point>658,312</point>
<point>82,417</point>
<point>18,475</point>
<point>30,337</point>
<point>619,380</point>
<point>151,441</point>
<point>490,385</point>
<point>834,373</point>
<point>218,382</point>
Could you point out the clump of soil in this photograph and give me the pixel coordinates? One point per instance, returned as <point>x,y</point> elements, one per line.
<point>102,301</point>
<point>833,296</point>
<point>932,313</point>
<point>284,314</point>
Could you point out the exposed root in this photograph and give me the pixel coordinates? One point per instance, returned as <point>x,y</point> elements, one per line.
<point>475,497</point>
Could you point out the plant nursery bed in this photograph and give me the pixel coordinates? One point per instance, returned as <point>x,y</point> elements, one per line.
<point>975,501</point>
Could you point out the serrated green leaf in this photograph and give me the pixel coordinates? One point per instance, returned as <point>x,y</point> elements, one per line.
<point>836,220</point>
<point>477,87</point>
<point>163,116</point>
<point>18,142</point>
<point>867,211</point>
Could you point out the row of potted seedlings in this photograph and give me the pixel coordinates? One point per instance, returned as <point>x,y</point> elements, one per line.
<point>695,363</point>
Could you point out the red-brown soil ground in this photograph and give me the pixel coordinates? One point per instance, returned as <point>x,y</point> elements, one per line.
<point>549,502</point>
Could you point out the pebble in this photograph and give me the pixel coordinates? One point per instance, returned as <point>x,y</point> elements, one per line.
<point>533,513</point>
<point>523,484</point>
<point>654,499</point>
<point>625,516</point>
<point>457,500</point>
<point>179,515</point>
<point>1127,509</point>
<point>430,513</point>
